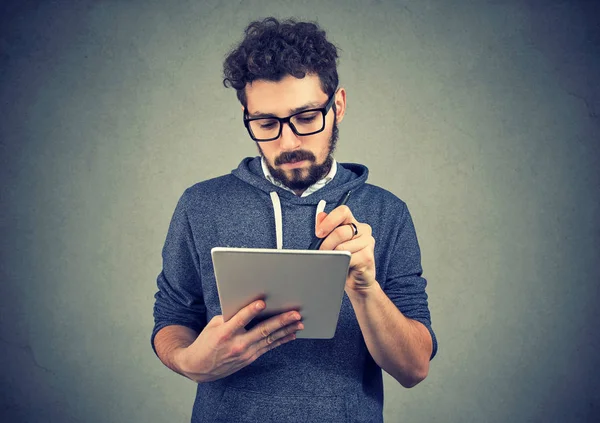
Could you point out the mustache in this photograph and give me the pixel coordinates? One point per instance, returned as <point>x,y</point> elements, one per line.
<point>294,156</point>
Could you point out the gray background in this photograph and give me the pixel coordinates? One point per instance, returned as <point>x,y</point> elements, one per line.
<point>482,115</point>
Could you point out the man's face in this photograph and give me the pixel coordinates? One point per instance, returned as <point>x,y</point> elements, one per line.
<point>294,160</point>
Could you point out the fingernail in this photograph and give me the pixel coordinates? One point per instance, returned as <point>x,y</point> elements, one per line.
<point>300,326</point>
<point>260,305</point>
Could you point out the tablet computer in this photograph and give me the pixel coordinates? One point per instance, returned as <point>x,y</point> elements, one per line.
<point>310,281</point>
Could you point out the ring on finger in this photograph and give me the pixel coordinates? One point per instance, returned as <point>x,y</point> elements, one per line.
<point>354,229</point>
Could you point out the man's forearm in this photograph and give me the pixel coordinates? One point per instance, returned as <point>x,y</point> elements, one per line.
<point>168,340</point>
<point>400,346</point>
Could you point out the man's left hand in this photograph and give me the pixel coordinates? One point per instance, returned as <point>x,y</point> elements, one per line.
<point>339,235</point>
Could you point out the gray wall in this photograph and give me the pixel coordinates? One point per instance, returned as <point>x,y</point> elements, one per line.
<point>482,115</point>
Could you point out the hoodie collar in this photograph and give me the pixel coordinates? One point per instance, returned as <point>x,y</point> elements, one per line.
<point>308,191</point>
<point>349,176</point>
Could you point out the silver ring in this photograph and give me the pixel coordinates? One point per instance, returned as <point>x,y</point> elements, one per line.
<point>354,229</point>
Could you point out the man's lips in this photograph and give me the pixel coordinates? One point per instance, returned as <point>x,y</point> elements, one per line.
<point>294,164</point>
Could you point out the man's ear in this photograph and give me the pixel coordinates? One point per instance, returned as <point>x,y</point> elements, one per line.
<point>340,104</point>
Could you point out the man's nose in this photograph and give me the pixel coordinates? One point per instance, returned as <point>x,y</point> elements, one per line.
<point>288,140</point>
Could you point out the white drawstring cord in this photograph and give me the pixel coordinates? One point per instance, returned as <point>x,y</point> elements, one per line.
<point>320,208</point>
<point>278,219</point>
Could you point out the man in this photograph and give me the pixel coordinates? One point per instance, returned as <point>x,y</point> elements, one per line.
<point>286,80</point>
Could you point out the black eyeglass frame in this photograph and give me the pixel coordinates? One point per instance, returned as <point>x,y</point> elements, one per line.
<point>324,110</point>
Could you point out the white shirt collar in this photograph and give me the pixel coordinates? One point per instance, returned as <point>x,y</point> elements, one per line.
<point>314,187</point>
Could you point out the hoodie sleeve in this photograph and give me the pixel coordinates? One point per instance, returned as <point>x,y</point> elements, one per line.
<point>404,285</point>
<point>179,300</point>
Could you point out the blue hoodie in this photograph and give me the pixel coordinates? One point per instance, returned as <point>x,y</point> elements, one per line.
<point>306,380</point>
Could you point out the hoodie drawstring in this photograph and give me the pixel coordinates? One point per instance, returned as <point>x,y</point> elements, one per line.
<point>320,208</point>
<point>279,220</point>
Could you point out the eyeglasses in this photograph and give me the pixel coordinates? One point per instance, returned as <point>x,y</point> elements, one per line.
<point>306,122</point>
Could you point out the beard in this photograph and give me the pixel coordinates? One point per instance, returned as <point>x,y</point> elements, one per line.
<point>297,181</point>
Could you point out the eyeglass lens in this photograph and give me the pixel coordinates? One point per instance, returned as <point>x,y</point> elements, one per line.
<point>305,123</point>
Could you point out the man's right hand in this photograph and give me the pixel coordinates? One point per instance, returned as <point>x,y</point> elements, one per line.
<point>223,348</point>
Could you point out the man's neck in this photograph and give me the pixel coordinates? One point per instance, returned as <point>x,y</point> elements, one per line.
<point>299,192</point>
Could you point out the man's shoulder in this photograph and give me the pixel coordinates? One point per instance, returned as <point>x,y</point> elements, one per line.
<point>211,191</point>
<point>214,186</point>
<point>374,193</point>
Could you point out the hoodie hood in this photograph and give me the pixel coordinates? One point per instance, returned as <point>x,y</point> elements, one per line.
<point>349,176</point>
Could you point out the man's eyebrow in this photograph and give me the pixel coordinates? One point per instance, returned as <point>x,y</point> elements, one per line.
<point>313,105</point>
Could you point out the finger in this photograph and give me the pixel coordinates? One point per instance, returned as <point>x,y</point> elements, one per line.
<point>241,319</point>
<point>338,236</point>
<point>353,245</point>
<point>279,334</point>
<point>277,343</point>
<point>345,233</point>
<point>269,326</point>
<point>339,216</point>
<point>320,217</point>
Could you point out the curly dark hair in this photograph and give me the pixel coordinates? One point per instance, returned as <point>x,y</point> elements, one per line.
<point>272,50</point>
